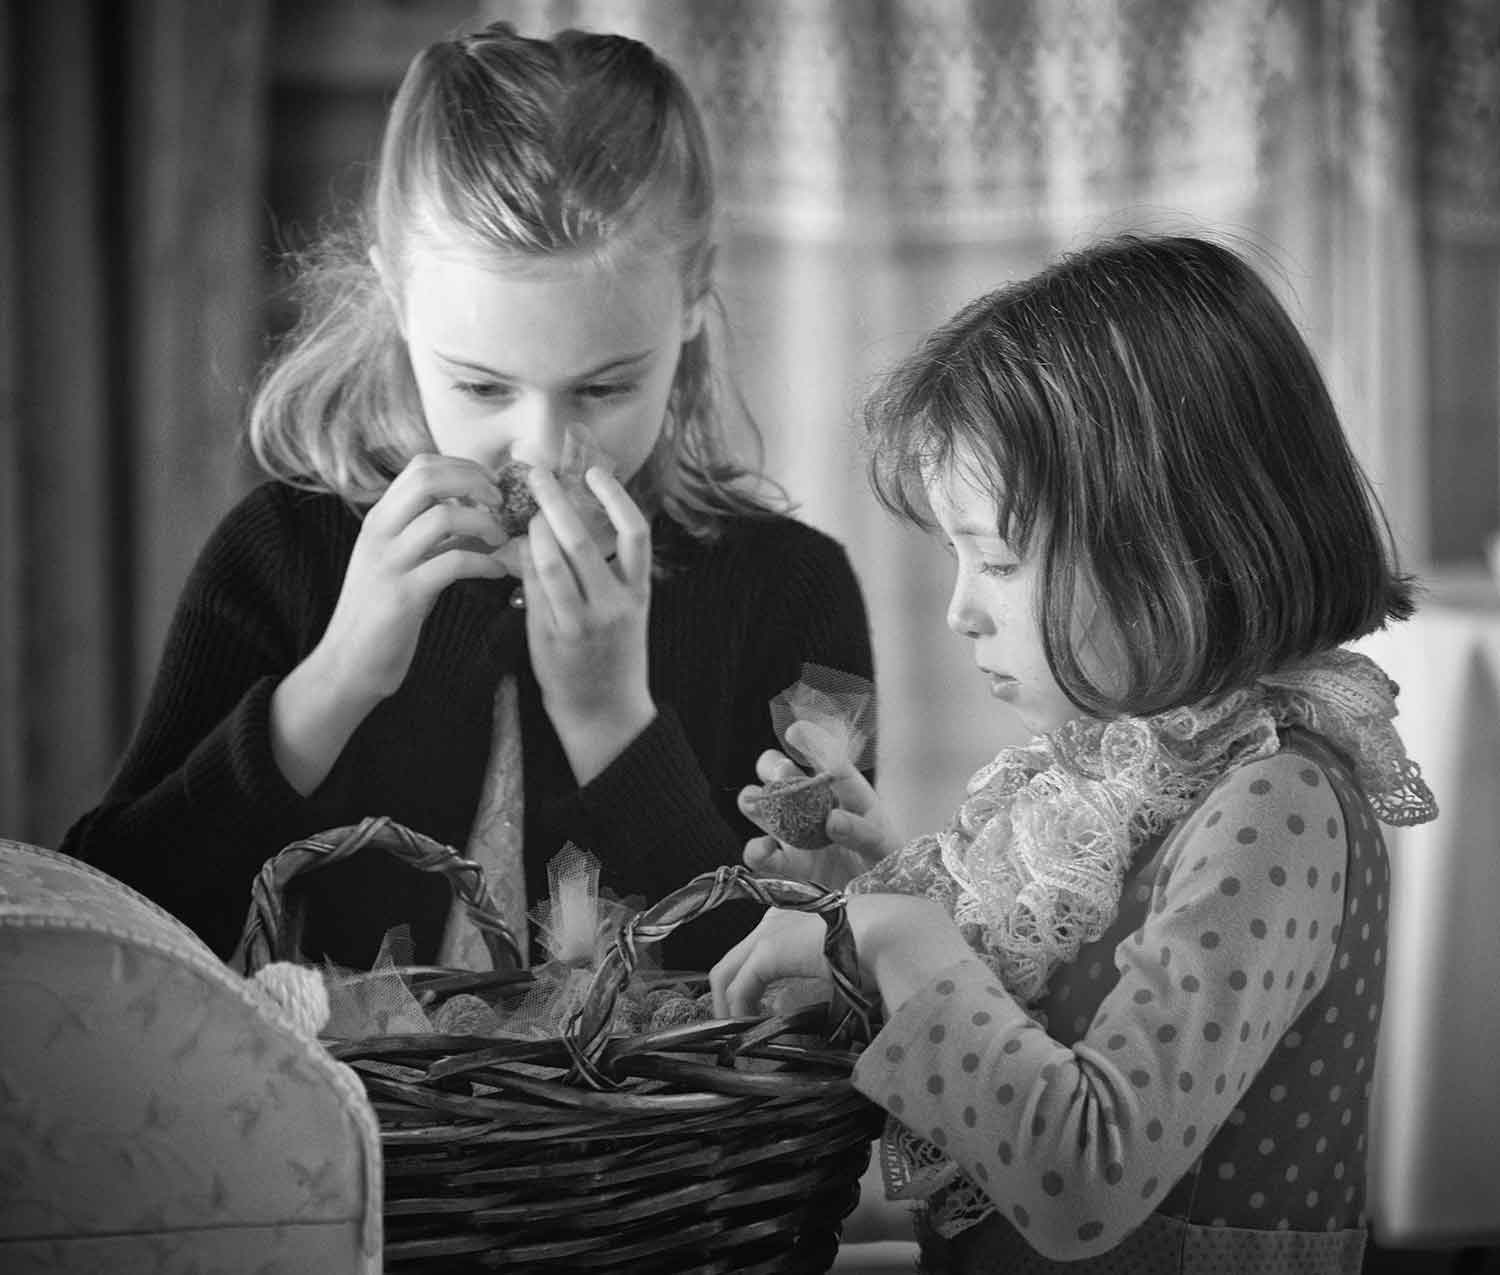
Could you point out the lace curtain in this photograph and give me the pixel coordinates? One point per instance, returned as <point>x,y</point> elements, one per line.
<point>945,119</point>
<point>882,161</point>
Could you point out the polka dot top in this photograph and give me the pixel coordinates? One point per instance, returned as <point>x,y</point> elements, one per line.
<point>1192,1092</point>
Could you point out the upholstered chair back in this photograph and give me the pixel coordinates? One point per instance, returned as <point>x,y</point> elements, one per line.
<point>157,1112</point>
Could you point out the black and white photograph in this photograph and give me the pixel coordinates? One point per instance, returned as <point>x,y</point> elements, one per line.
<point>750,637</point>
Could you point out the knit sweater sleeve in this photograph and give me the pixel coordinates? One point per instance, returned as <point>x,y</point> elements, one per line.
<point>1076,1146</point>
<point>198,799</point>
<point>654,813</point>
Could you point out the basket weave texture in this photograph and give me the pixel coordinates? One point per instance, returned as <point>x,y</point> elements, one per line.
<point>730,1145</point>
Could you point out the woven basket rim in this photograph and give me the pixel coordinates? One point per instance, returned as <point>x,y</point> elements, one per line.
<point>590,1149</point>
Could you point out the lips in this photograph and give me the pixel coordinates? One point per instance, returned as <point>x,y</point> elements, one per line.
<point>1002,685</point>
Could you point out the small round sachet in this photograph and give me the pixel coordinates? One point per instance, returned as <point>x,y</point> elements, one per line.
<point>841,706</point>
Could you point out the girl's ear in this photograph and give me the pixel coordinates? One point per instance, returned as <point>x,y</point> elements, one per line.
<point>388,286</point>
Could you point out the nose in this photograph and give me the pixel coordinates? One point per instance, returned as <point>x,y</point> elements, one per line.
<point>965,616</point>
<point>540,424</point>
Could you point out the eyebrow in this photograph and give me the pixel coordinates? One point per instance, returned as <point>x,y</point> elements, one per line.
<point>978,533</point>
<point>613,365</point>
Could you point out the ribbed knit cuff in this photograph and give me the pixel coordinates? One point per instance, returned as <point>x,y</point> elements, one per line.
<point>650,812</point>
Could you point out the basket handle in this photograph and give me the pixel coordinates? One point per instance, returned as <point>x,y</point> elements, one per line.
<point>586,1032</point>
<point>273,928</point>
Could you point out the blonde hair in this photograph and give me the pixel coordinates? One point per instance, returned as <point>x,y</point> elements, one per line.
<point>583,144</point>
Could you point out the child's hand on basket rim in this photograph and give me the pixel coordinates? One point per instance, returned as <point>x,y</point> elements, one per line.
<point>860,832</point>
<point>903,942</point>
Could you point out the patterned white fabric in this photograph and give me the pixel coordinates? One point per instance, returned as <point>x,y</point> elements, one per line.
<point>979,120</point>
<point>495,842</point>
<point>157,1113</point>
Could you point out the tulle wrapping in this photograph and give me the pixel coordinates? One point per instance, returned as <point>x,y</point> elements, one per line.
<point>576,926</point>
<point>840,707</point>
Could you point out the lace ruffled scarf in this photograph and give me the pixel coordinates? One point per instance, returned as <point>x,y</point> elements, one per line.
<point>1032,865</point>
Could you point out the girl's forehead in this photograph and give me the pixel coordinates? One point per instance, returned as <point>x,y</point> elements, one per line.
<point>545,330</point>
<point>452,292</point>
<point>960,492</point>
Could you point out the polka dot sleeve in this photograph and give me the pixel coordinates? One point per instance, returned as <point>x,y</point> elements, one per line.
<point>1077,1144</point>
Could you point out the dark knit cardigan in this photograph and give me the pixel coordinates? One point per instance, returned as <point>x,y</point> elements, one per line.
<point>199,804</point>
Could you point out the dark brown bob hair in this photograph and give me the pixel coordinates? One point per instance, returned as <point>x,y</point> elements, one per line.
<point>1154,426</point>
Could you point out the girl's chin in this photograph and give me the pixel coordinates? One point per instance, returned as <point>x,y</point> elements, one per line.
<point>1038,719</point>
<point>512,553</point>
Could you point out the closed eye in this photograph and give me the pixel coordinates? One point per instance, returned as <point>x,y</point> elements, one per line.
<point>613,389</point>
<point>484,391</point>
<point>994,570</point>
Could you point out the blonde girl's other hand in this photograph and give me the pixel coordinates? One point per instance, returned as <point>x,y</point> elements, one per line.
<point>434,525</point>
<point>586,620</point>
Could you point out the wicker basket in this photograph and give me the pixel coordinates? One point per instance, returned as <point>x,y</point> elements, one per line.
<point>732,1145</point>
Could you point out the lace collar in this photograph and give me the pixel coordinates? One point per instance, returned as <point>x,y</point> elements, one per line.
<point>1040,847</point>
<point>1033,862</point>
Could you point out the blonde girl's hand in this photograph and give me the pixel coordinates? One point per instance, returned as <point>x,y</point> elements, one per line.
<point>586,621</point>
<point>903,941</point>
<point>859,829</point>
<point>434,525</point>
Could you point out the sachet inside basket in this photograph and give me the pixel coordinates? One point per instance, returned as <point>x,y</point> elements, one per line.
<point>722,1145</point>
<point>576,926</point>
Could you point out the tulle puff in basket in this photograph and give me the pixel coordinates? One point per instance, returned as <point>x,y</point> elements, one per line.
<point>723,1145</point>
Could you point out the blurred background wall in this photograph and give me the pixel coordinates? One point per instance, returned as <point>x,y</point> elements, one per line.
<point>882,161</point>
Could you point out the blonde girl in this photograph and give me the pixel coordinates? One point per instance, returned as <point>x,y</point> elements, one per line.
<point>505,582</point>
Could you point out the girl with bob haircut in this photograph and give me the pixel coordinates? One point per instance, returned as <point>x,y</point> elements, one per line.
<point>507,582</point>
<point>1132,989</point>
